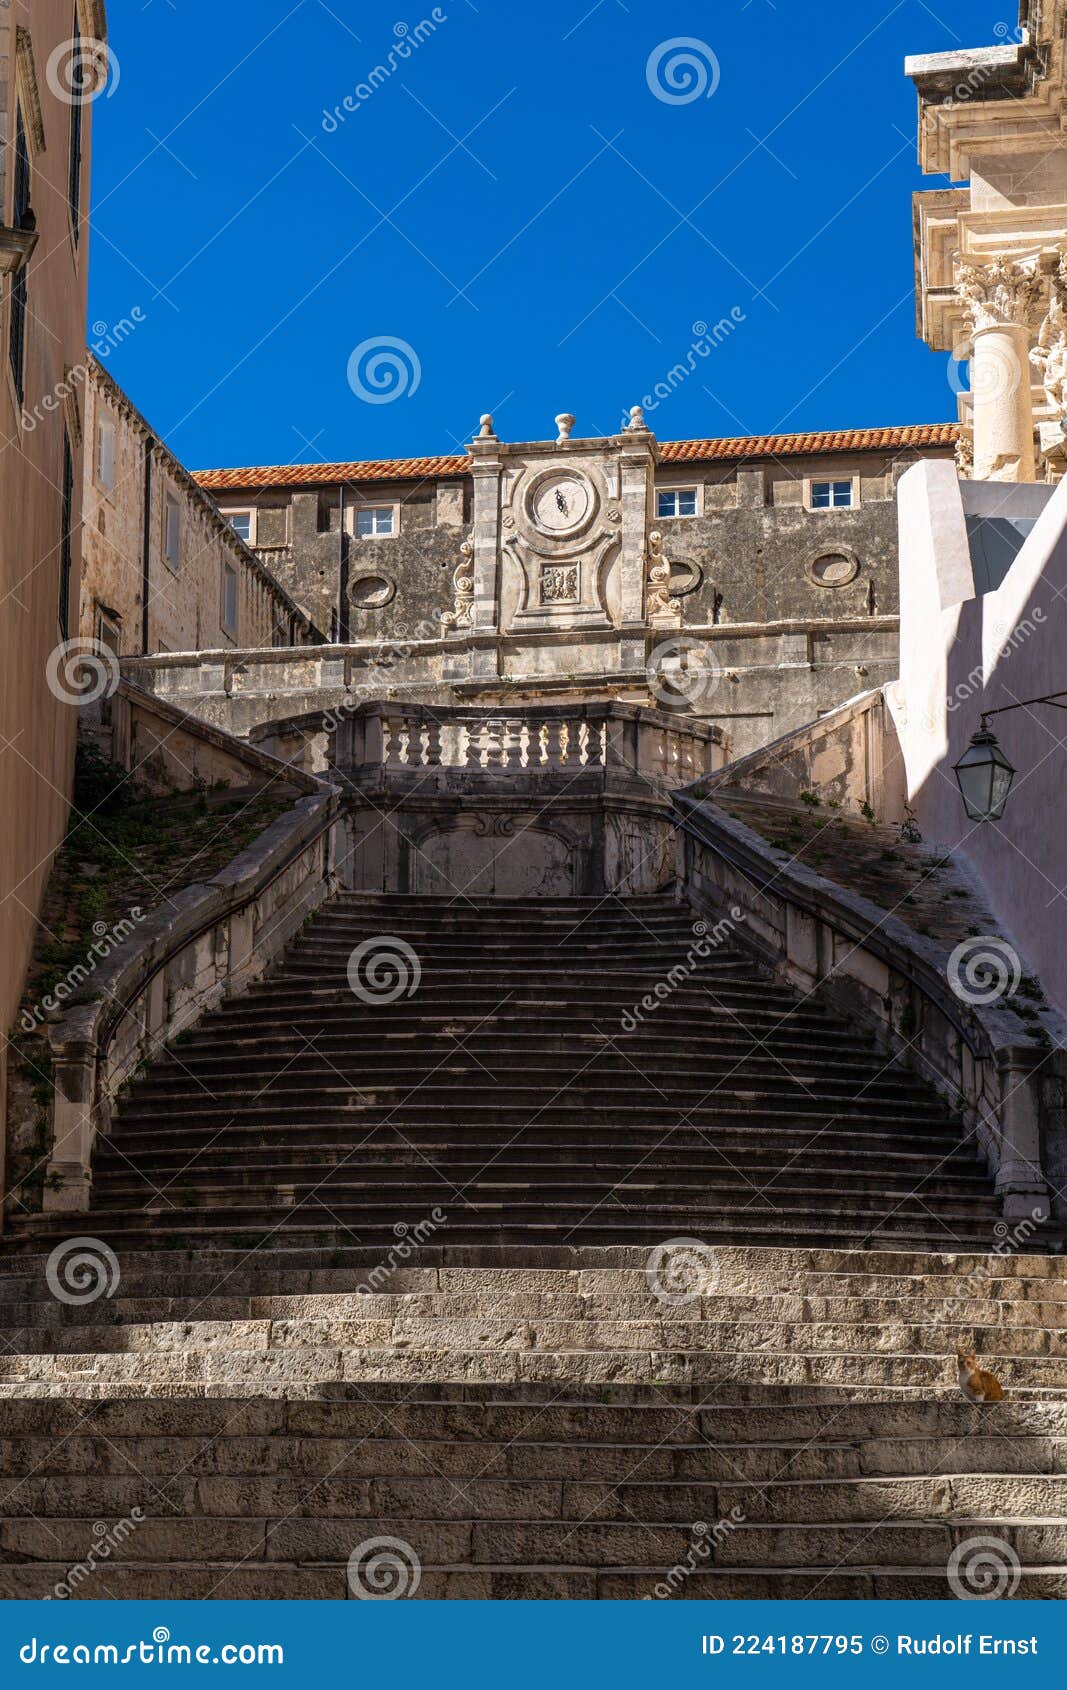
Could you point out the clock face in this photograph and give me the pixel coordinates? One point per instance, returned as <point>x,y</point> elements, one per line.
<point>561,502</point>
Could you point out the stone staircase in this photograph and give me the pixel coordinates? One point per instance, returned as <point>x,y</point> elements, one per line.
<point>552,1432</point>
<point>564,1073</point>
<point>529,1282</point>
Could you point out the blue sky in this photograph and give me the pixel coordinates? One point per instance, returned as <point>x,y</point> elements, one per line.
<point>517,203</point>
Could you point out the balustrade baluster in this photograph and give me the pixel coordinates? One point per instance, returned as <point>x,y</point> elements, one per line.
<point>433,743</point>
<point>552,752</point>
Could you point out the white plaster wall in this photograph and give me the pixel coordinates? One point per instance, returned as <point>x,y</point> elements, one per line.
<point>961,654</point>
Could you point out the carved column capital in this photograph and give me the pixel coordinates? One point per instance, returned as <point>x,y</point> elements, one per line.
<point>998,295</point>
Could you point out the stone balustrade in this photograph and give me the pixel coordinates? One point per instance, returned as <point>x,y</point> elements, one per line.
<point>385,742</point>
<point>209,941</point>
<point>1009,1090</point>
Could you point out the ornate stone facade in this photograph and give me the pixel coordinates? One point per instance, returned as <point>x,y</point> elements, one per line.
<point>554,570</point>
<point>990,255</point>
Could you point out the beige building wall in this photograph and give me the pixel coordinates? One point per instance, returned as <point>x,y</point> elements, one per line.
<point>39,572</point>
<point>203,588</point>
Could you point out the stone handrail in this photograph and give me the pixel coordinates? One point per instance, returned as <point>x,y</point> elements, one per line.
<point>1008,1088</point>
<point>210,941</point>
<point>389,740</point>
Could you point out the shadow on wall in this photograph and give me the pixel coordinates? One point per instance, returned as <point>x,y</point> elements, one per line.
<point>983,611</point>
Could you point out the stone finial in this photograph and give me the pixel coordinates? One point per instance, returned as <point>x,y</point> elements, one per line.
<point>485,432</point>
<point>564,422</point>
<point>637,418</point>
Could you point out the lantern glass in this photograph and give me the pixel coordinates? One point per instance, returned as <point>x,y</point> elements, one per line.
<point>984,776</point>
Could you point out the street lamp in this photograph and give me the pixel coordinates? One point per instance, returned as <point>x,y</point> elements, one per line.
<point>985,776</point>
<point>983,773</point>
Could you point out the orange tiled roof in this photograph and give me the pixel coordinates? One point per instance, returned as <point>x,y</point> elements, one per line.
<point>671,452</point>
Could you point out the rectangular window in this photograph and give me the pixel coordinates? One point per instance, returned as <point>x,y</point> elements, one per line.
<point>676,501</point>
<point>831,495</point>
<point>374,521</point>
<point>108,633</point>
<point>172,531</point>
<point>22,217</point>
<point>105,454</point>
<point>66,538</point>
<point>229,598</point>
<point>74,186</point>
<point>241,523</point>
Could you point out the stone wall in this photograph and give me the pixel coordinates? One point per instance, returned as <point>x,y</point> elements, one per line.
<point>40,575</point>
<point>126,467</point>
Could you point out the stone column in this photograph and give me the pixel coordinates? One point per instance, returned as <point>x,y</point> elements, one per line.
<point>1000,298</point>
<point>637,462</point>
<point>486,473</point>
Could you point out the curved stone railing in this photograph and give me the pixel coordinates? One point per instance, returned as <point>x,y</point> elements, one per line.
<point>389,740</point>
<point>816,935</point>
<point>211,941</point>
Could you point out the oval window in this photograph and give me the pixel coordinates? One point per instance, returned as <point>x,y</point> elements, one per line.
<point>371,592</point>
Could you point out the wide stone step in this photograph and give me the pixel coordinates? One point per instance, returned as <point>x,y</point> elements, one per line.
<point>661,1418</point>
<point>560,1502</point>
<point>247,1229</point>
<point>694,1161</point>
<point>153,1460</point>
<point>252,1580</point>
<point>599,1082</point>
<point>883,1271</point>
<point>250,1371</point>
<point>949,1315</point>
<point>483,1104</point>
<point>432,1139</point>
<point>345,1189</point>
<point>655,1332</point>
<point>207,1055</point>
<point>518,1542</point>
<point>629,1208</point>
<point>354,1175</point>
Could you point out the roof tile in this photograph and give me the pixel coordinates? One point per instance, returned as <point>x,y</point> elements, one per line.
<point>671,452</point>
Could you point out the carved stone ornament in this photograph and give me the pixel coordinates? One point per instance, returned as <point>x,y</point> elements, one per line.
<point>659,606</point>
<point>998,295</point>
<point>1049,356</point>
<point>462,613</point>
<point>559,541</point>
<point>965,454</point>
<point>559,585</point>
